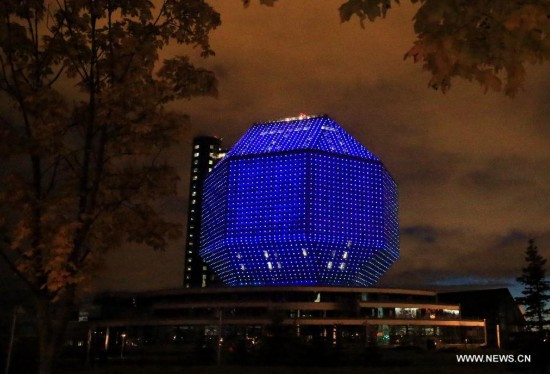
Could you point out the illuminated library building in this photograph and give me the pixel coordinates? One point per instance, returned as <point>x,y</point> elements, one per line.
<point>299,221</point>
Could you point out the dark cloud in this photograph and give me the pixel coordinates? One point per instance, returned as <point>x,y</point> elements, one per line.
<point>426,234</point>
<point>437,256</point>
<point>514,238</point>
<point>420,165</point>
<point>502,173</point>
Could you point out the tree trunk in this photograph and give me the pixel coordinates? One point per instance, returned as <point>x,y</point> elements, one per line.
<point>52,319</point>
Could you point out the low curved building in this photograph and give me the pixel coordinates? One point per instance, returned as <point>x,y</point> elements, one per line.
<point>342,315</point>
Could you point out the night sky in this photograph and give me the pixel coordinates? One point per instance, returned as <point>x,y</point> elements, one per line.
<point>473,169</point>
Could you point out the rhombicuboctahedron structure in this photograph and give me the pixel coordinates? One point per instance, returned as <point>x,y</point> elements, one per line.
<point>299,202</point>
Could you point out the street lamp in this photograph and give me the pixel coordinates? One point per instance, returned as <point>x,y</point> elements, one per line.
<point>123,335</point>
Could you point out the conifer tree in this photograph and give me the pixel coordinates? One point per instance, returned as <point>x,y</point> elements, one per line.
<point>536,288</point>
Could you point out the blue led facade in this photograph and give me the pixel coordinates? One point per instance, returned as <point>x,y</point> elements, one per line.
<point>299,202</point>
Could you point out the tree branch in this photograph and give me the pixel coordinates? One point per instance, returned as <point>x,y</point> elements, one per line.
<point>19,274</point>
